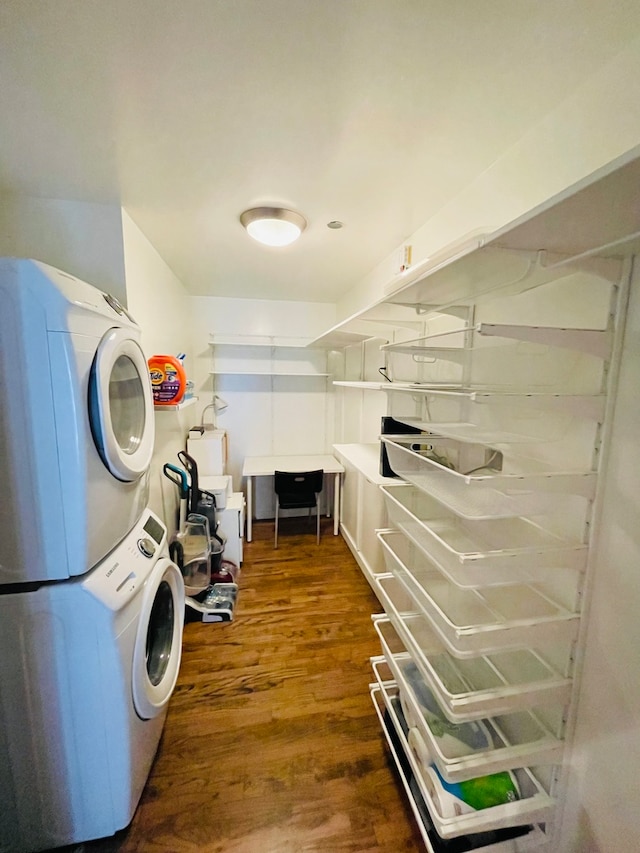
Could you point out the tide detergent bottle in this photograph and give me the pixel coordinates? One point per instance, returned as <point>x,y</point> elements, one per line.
<point>168,379</point>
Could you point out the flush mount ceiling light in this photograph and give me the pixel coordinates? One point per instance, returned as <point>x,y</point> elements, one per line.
<point>273,226</point>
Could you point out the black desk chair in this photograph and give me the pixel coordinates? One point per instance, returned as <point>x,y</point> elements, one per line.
<point>298,490</point>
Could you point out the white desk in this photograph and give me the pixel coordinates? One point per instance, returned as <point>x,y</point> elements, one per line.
<point>266,466</point>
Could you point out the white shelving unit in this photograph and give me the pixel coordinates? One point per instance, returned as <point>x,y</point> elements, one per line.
<point>504,356</point>
<point>488,491</point>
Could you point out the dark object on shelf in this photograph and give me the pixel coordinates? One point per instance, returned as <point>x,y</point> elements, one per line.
<point>390,426</point>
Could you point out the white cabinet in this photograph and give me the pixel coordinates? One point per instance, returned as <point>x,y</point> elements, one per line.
<point>350,503</point>
<point>363,507</point>
<point>231,524</point>
<point>373,516</point>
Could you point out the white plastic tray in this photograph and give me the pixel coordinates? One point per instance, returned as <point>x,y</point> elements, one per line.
<point>466,750</point>
<point>535,804</point>
<point>480,494</point>
<point>478,554</point>
<point>471,621</point>
<point>483,686</point>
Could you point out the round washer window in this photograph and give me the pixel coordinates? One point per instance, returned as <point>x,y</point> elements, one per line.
<point>160,634</point>
<point>126,402</point>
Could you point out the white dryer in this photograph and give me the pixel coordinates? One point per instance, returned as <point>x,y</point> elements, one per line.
<point>87,669</point>
<point>76,423</point>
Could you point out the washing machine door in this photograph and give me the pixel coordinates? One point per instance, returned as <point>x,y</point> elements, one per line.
<point>158,645</point>
<point>121,405</point>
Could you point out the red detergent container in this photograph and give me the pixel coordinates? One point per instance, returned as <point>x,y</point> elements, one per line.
<point>168,379</point>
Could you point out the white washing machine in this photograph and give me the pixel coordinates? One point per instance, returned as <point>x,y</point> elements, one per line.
<point>86,672</point>
<point>76,423</point>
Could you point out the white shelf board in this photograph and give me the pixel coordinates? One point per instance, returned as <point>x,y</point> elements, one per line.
<point>366,458</point>
<point>371,386</point>
<point>517,256</point>
<point>592,341</point>
<point>571,223</point>
<point>176,407</point>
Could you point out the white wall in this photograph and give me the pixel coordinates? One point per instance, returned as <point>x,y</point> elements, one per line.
<point>158,301</point>
<point>266,414</point>
<point>79,238</point>
<point>597,124</point>
<point>155,296</point>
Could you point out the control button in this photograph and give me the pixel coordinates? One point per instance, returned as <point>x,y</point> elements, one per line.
<point>113,303</point>
<point>147,547</point>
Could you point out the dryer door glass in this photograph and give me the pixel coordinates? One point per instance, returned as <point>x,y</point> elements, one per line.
<point>126,401</point>
<point>121,405</point>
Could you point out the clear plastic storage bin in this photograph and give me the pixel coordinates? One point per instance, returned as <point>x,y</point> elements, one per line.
<point>463,750</point>
<point>533,804</point>
<point>470,621</point>
<point>459,476</point>
<point>483,686</point>
<point>476,554</point>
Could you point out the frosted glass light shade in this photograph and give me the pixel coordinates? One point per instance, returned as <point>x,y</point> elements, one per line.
<point>273,226</point>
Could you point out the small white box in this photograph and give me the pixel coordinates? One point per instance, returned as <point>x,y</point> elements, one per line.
<point>209,451</point>
<point>219,486</point>
<point>231,524</point>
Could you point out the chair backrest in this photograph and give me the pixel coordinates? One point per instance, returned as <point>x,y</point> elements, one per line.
<point>298,485</point>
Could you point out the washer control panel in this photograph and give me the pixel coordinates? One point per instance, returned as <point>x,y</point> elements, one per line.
<point>119,575</point>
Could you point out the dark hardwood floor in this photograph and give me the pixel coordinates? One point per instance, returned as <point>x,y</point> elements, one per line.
<point>271,743</point>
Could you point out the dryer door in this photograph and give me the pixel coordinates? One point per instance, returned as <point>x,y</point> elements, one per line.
<point>158,647</point>
<point>121,405</point>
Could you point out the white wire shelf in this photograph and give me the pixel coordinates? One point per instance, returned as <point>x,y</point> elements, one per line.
<point>473,554</point>
<point>472,621</point>
<point>596,342</point>
<point>534,803</point>
<point>482,494</point>
<point>483,686</point>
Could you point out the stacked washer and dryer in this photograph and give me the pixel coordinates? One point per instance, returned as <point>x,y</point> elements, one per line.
<point>91,606</point>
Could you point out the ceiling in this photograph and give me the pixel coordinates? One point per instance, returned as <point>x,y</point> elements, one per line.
<point>371,112</point>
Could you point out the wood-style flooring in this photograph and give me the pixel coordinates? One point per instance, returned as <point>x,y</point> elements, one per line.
<point>272,744</point>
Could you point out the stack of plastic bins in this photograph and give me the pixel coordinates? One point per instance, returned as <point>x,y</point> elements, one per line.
<point>464,614</point>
